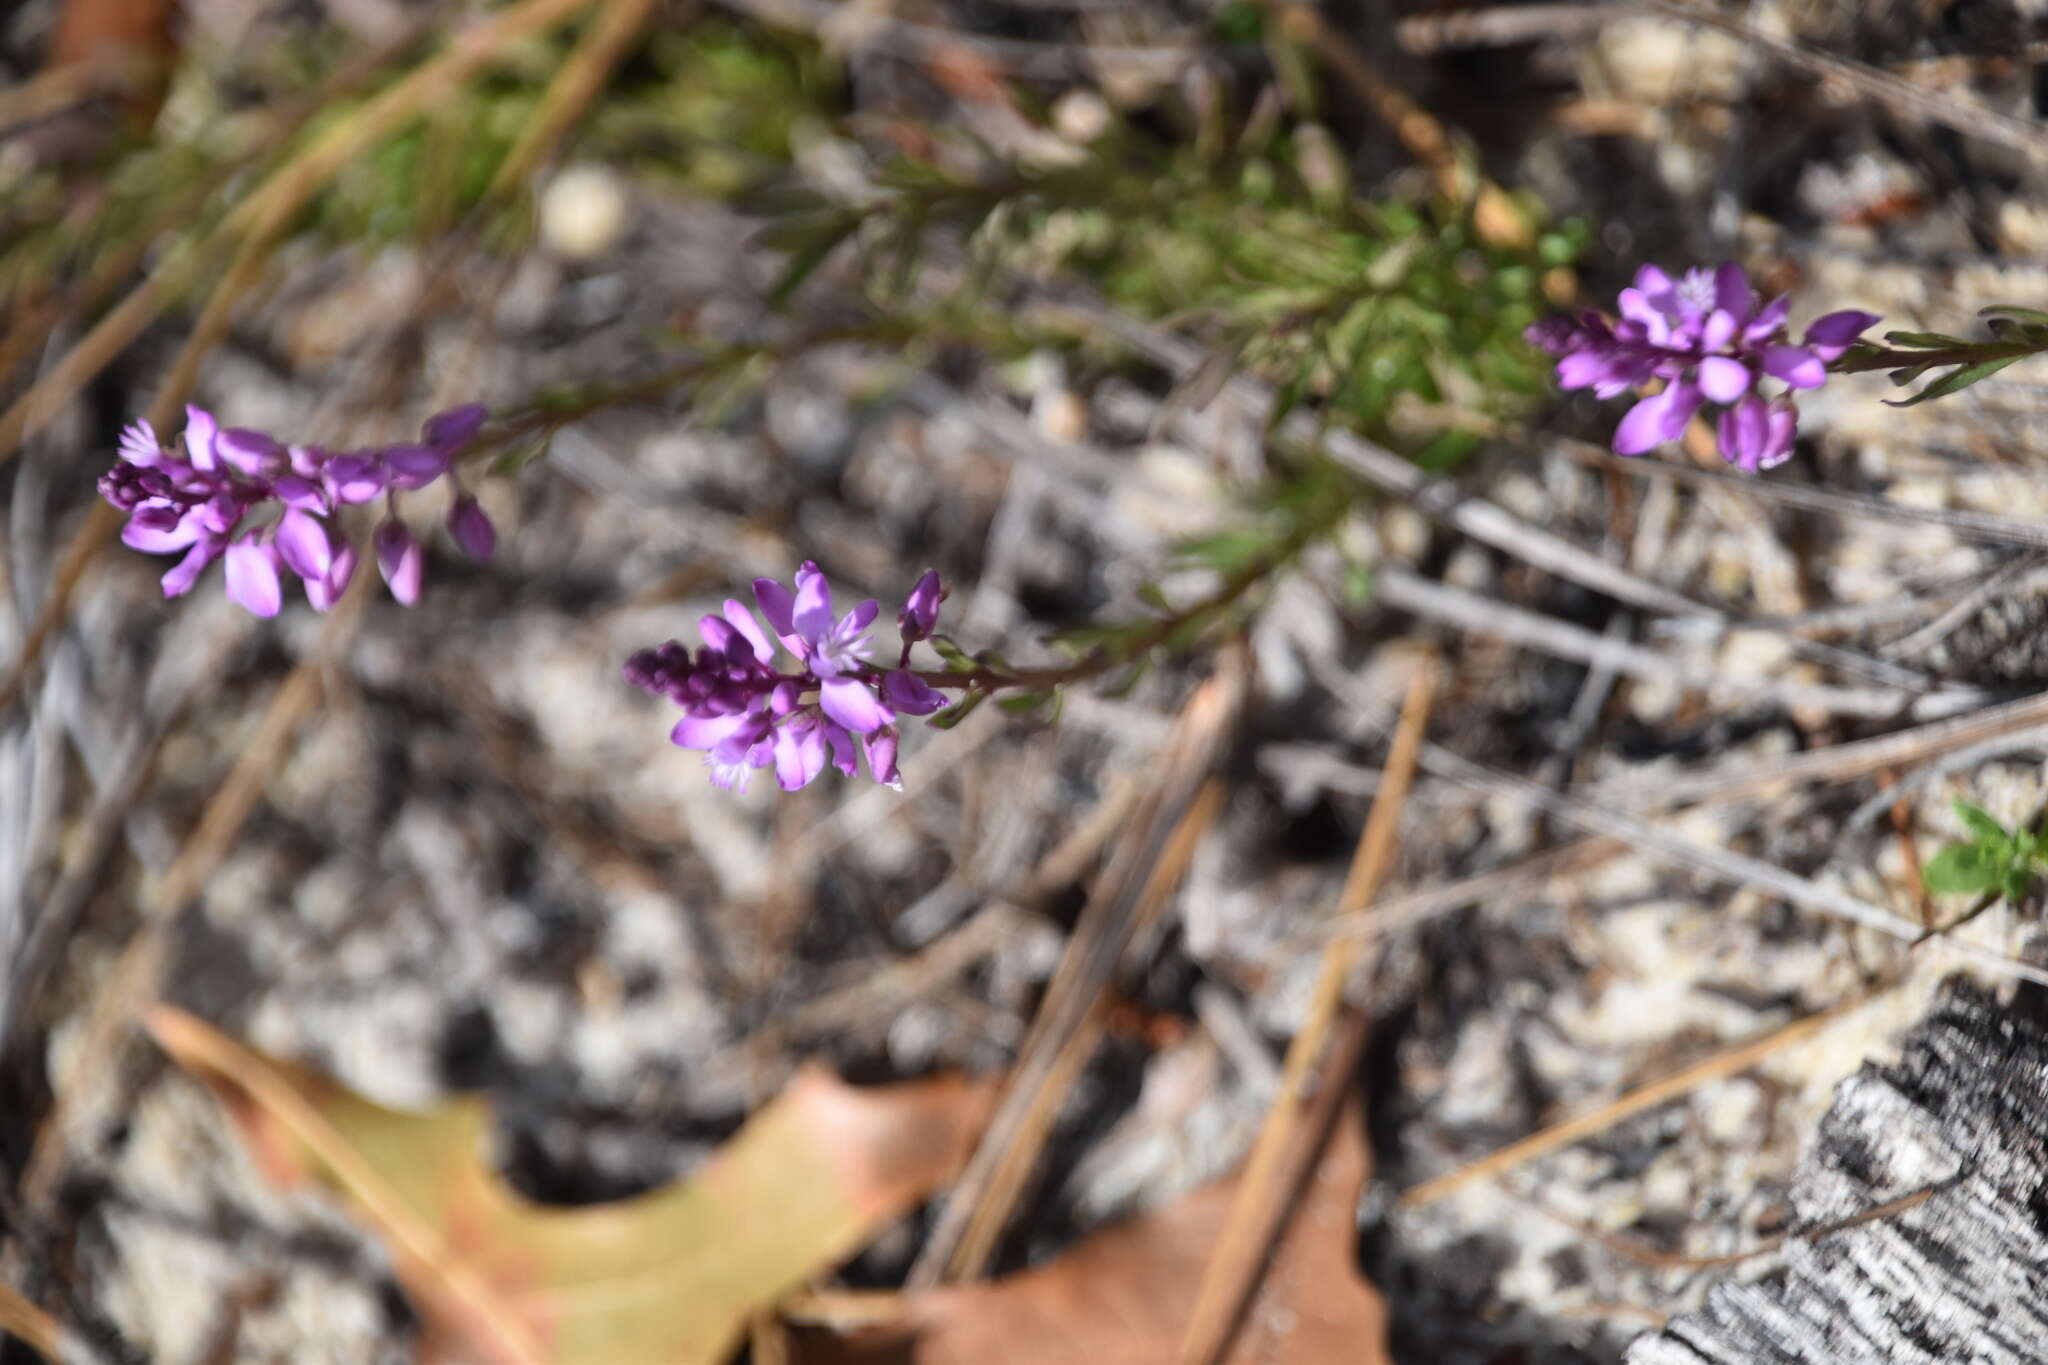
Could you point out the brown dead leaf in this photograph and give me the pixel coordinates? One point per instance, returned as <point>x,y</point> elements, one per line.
<point>1125,1294</point>
<point>668,1278</point>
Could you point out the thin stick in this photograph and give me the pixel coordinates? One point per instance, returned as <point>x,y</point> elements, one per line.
<point>1012,1175</point>
<point>26,1322</point>
<point>581,79</point>
<point>1683,1082</point>
<point>1234,1267</point>
<point>1106,927</point>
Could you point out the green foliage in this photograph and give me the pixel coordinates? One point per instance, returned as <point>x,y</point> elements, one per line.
<point>2016,334</point>
<point>1992,859</point>
<point>1362,308</point>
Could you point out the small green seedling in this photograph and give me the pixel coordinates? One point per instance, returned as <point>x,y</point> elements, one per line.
<point>1994,858</point>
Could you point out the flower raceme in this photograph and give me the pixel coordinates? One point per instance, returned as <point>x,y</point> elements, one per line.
<point>1711,339</point>
<point>207,496</point>
<point>747,713</point>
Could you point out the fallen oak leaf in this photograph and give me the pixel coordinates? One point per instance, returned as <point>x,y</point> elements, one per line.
<point>1126,1293</point>
<point>670,1277</point>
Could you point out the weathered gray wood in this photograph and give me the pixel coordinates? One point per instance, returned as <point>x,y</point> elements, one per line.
<point>1962,1277</point>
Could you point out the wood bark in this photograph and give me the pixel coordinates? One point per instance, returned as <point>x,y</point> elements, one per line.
<point>1961,1277</point>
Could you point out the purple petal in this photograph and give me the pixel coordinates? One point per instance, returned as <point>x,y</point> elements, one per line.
<point>1732,291</point>
<point>859,619</point>
<point>776,606</point>
<point>849,702</point>
<point>159,530</point>
<point>1654,283</point>
<point>1768,320</point>
<point>1723,379</point>
<point>1636,307</point>
<point>1783,429</point>
<point>200,431</point>
<point>178,580</point>
<point>799,756</point>
<point>708,732</point>
<point>1718,330</point>
<point>812,615</point>
<point>841,745</point>
<point>295,491</point>
<point>1837,332</point>
<point>717,634</point>
<point>1797,366</point>
<point>921,609</point>
<point>252,576</point>
<point>1657,419</point>
<point>324,593</point>
<point>252,452</point>
<point>401,561</point>
<point>1742,430</point>
<point>909,695</point>
<point>471,527</point>
<point>880,748</point>
<point>742,620</point>
<point>355,478</point>
<point>456,426</point>
<point>303,545</point>
<point>139,445</point>
<point>414,466</point>
<point>306,461</point>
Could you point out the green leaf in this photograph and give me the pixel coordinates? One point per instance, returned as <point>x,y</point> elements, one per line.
<point>2015,312</point>
<point>807,254</point>
<point>957,659</point>
<point>1964,869</point>
<point>1019,702</point>
<point>1956,380</point>
<point>1982,826</point>
<point>1929,340</point>
<point>958,711</point>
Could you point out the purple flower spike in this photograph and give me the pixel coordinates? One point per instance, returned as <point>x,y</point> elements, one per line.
<point>472,528</point>
<point>401,561</point>
<point>1711,339</point>
<point>252,576</point>
<point>920,612</point>
<point>833,708</point>
<point>206,497</point>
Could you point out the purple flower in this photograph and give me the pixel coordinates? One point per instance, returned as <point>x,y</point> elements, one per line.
<point>401,561</point>
<point>834,707</point>
<point>472,529</point>
<point>201,501</point>
<point>455,428</point>
<point>1711,339</point>
<point>921,609</point>
<point>252,575</point>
